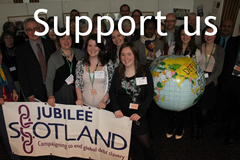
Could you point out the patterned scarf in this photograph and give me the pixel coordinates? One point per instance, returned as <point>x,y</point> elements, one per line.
<point>149,46</point>
<point>6,92</point>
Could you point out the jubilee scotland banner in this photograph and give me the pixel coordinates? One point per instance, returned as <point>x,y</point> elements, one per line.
<point>37,129</point>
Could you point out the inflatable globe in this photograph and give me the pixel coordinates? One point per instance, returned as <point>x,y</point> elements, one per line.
<point>179,82</point>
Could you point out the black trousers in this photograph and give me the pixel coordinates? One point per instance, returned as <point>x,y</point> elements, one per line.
<point>4,136</point>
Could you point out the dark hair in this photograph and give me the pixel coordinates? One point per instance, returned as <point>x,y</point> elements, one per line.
<point>51,25</point>
<point>136,10</point>
<point>138,66</point>
<point>49,19</point>
<point>74,10</point>
<point>61,30</point>
<point>112,48</point>
<point>6,33</point>
<point>125,5</point>
<point>191,45</point>
<point>96,15</point>
<point>101,55</point>
<point>217,39</point>
<point>153,20</point>
<point>7,25</point>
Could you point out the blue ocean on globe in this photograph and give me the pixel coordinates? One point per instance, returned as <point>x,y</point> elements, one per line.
<point>179,82</point>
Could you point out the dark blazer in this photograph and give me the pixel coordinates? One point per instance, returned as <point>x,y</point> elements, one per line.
<point>146,93</point>
<point>29,69</point>
<point>231,53</point>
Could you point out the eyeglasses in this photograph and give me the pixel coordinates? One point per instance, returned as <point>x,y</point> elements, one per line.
<point>167,21</point>
<point>30,29</point>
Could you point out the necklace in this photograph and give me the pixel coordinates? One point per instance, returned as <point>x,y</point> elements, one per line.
<point>208,55</point>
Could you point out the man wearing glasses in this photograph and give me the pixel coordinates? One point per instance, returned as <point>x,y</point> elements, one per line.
<point>32,57</point>
<point>170,23</point>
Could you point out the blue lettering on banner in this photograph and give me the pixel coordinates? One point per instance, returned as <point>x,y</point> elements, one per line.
<point>64,113</point>
<point>58,128</point>
<point>14,129</point>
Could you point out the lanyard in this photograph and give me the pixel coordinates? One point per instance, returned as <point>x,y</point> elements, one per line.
<point>70,65</point>
<point>133,98</point>
<point>92,80</point>
<point>207,61</point>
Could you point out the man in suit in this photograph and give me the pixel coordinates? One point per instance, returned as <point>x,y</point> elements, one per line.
<point>170,24</point>
<point>226,30</point>
<point>230,114</point>
<point>32,57</point>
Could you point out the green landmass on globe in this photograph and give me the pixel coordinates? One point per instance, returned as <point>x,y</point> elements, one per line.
<point>179,82</point>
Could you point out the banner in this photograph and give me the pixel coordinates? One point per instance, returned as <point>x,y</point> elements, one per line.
<point>37,129</point>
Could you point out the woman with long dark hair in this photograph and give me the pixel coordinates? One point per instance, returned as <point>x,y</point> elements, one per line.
<point>94,75</point>
<point>116,41</point>
<point>131,93</point>
<point>185,45</point>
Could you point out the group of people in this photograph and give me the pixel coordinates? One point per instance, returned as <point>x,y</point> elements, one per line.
<point>56,69</point>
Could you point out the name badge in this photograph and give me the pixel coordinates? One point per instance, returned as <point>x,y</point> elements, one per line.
<point>206,75</point>
<point>12,68</point>
<point>158,53</point>
<point>141,81</point>
<point>237,68</point>
<point>99,74</point>
<point>70,79</point>
<point>133,106</point>
<point>93,92</point>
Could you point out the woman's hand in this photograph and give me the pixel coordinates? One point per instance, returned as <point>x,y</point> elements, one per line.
<point>118,114</point>
<point>1,101</point>
<point>79,102</point>
<point>135,117</point>
<point>102,104</point>
<point>14,95</point>
<point>31,98</point>
<point>51,101</point>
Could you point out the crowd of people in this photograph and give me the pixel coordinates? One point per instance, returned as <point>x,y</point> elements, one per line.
<point>56,69</point>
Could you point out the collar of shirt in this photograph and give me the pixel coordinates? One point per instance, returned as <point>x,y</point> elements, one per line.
<point>35,49</point>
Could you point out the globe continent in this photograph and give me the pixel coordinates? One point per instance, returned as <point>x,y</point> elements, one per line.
<point>179,82</point>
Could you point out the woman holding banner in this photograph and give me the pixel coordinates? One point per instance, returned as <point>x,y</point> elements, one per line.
<point>60,81</point>
<point>93,75</point>
<point>131,93</point>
